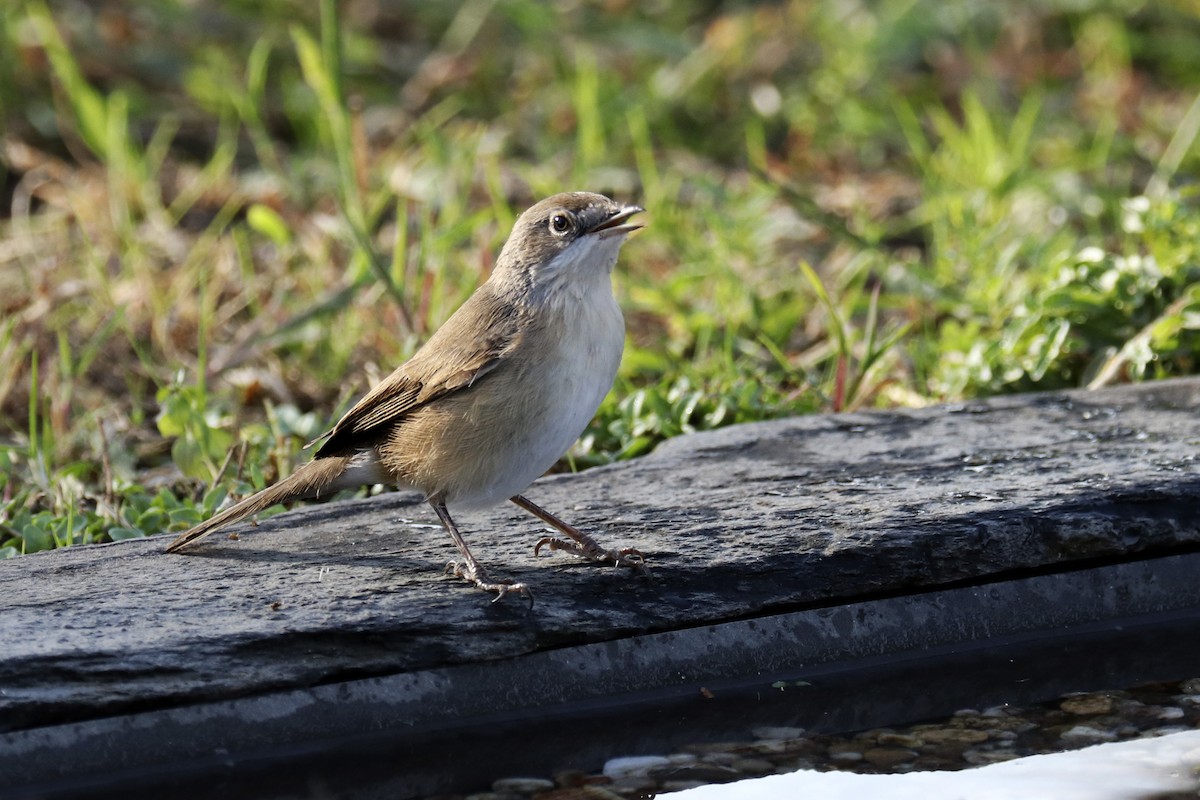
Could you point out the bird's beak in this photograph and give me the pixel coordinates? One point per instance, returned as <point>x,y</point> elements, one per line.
<point>616,224</point>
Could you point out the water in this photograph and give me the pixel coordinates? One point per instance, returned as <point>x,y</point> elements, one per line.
<point>829,703</point>
<point>1133,770</point>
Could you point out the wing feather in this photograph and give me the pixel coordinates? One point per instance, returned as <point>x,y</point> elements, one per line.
<point>453,360</point>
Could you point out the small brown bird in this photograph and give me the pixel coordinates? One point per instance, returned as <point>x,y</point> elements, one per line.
<point>496,395</point>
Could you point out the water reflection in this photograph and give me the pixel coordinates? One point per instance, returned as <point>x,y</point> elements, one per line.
<point>1132,770</point>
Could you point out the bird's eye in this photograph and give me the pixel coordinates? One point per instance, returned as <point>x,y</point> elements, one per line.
<point>560,223</point>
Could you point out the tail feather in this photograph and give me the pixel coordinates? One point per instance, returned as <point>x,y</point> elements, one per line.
<point>313,479</point>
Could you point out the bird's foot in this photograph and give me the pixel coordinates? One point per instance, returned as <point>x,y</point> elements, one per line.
<point>582,545</point>
<point>628,557</point>
<point>478,576</point>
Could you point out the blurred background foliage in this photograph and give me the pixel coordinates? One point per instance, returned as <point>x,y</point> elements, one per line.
<point>221,222</point>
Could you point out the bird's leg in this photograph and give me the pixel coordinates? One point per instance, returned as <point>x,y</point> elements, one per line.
<point>583,545</point>
<point>471,569</point>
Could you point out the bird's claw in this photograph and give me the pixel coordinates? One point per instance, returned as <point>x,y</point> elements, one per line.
<point>480,579</point>
<point>628,557</point>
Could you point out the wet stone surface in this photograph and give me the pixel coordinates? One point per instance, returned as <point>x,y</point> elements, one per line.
<point>799,544</point>
<point>736,524</point>
<point>969,738</point>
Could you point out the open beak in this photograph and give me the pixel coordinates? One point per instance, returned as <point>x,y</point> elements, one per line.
<point>616,225</point>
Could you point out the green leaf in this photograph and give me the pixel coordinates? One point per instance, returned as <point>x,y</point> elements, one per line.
<point>120,533</point>
<point>266,221</point>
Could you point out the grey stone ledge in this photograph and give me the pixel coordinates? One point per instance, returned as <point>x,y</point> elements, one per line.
<point>753,522</point>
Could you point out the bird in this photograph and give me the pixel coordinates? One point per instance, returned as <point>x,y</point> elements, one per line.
<point>495,396</point>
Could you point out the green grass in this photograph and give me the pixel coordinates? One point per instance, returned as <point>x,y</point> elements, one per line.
<point>220,223</point>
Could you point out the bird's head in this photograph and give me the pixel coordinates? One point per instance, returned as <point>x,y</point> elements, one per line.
<point>573,237</point>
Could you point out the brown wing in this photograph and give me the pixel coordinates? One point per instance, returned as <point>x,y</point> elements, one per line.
<point>470,344</point>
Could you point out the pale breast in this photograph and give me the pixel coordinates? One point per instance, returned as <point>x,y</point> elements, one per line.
<point>481,446</point>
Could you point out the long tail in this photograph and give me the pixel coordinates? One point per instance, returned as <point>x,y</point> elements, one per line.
<point>313,479</point>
